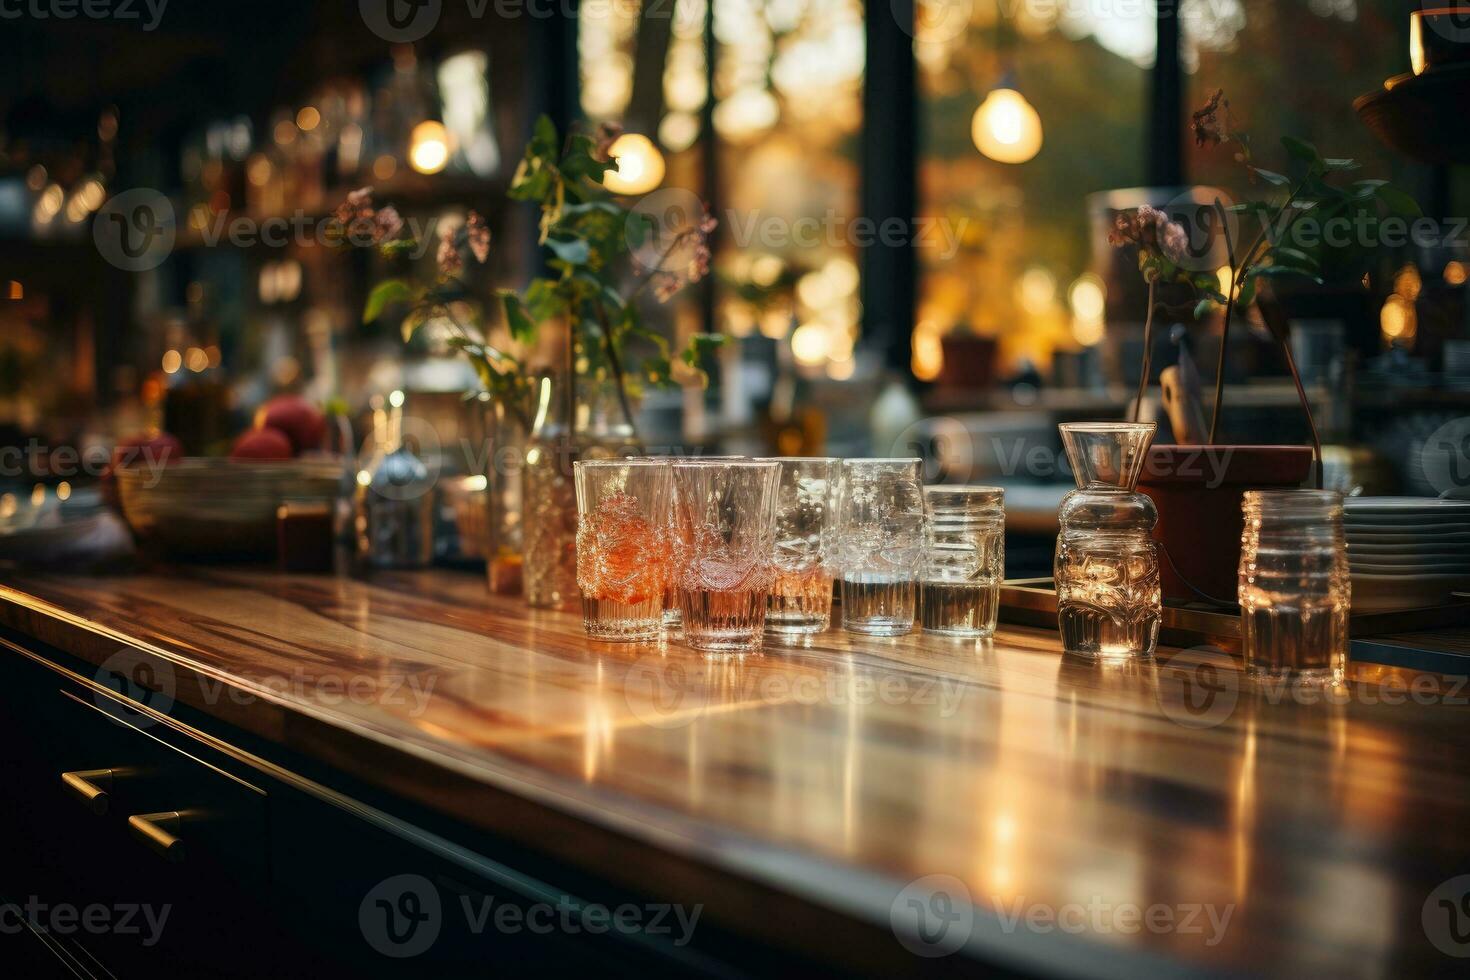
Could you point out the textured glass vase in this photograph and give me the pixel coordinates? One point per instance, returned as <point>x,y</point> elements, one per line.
<point>567,428</point>
<point>1107,571</point>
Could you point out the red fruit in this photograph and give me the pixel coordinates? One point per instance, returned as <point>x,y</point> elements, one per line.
<point>264,443</point>
<point>301,421</point>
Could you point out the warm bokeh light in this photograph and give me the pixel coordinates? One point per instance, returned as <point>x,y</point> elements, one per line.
<point>428,151</point>
<point>195,359</point>
<point>172,361</point>
<point>810,344</point>
<point>640,165</point>
<point>63,490</point>
<point>1398,319</point>
<point>1036,291</point>
<point>1087,298</point>
<point>928,356</point>
<point>1088,333</point>
<point>384,167</point>
<point>1455,273</point>
<point>308,118</point>
<point>1006,128</point>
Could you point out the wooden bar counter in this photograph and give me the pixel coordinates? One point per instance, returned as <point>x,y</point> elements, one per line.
<point>855,805</point>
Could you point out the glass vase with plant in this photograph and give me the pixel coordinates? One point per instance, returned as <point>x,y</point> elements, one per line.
<point>576,352</point>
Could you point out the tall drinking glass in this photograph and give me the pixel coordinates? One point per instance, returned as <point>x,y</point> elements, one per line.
<point>879,544</point>
<point>724,535</point>
<point>1295,588</point>
<point>801,596</point>
<point>964,560</point>
<point>623,550</point>
<point>672,618</point>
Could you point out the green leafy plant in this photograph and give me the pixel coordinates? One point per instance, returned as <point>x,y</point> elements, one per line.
<point>1279,248</point>
<point>588,235</point>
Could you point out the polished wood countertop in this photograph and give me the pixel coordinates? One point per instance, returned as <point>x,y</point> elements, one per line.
<point>809,796</point>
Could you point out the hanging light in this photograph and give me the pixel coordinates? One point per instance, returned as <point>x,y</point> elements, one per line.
<point>640,165</point>
<point>1006,128</point>
<point>428,147</point>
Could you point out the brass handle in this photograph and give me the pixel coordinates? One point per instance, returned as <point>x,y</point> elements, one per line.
<point>160,832</point>
<point>91,786</point>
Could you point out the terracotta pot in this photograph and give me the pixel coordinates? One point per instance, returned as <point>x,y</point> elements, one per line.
<point>1198,491</point>
<point>969,362</point>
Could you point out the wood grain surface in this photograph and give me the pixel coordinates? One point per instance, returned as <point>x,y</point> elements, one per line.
<point>1081,818</point>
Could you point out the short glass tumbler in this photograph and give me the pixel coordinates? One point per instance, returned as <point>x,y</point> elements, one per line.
<point>879,544</point>
<point>1109,605</point>
<point>964,560</point>
<point>1295,586</point>
<point>724,533</point>
<point>623,553</point>
<point>672,618</point>
<point>801,595</point>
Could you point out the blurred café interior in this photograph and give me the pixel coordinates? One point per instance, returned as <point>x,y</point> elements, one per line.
<point>1000,136</point>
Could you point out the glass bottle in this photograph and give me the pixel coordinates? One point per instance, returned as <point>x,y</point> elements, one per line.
<point>504,448</point>
<point>1295,588</point>
<point>1107,571</point>
<point>567,428</point>
<point>394,503</point>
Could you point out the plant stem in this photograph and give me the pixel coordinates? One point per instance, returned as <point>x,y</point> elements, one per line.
<point>1301,393</point>
<point>617,369</point>
<point>1148,351</point>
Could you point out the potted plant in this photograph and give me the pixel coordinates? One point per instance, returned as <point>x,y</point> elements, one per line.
<point>1198,483</point>
<point>566,358</point>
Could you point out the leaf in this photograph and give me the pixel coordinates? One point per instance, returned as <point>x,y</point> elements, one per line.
<point>1247,294</point>
<point>573,251</point>
<point>522,327</point>
<point>1398,202</point>
<point>1281,272</point>
<point>1364,189</point>
<point>1301,149</point>
<point>1294,257</point>
<point>1339,165</point>
<point>700,346</point>
<point>1271,176</point>
<point>1203,307</point>
<point>384,294</point>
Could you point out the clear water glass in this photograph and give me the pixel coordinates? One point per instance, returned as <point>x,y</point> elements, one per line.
<point>1295,586</point>
<point>879,544</point>
<point>801,594</point>
<point>623,553</point>
<point>964,560</point>
<point>724,535</point>
<point>1109,605</point>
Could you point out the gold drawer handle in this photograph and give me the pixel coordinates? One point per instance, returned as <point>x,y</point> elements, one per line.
<point>91,786</point>
<point>160,832</point>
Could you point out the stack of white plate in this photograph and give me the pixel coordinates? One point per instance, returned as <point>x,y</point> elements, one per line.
<point>1407,552</point>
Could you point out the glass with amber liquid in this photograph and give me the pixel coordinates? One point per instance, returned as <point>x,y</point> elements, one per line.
<point>801,594</point>
<point>622,546</point>
<point>724,531</point>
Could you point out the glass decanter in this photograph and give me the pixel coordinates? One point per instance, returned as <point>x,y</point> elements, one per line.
<point>1106,570</point>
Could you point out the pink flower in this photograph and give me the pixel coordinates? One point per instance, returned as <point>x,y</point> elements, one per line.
<point>1206,120</point>
<point>1152,231</point>
<point>477,233</point>
<point>386,224</point>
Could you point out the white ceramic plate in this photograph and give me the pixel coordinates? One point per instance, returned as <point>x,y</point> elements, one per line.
<point>1405,505</point>
<point>1379,593</point>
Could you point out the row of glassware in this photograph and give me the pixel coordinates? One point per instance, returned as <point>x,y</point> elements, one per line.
<point>735,550</point>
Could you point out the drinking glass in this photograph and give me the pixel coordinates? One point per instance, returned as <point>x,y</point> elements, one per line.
<point>1295,589</point>
<point>1109,604</point>
<point>622,546</point>
<point>672,619</point>
<point>964,560</point>
<point>879,544</point>
<point>724,535</point>
<point>801,596</point>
